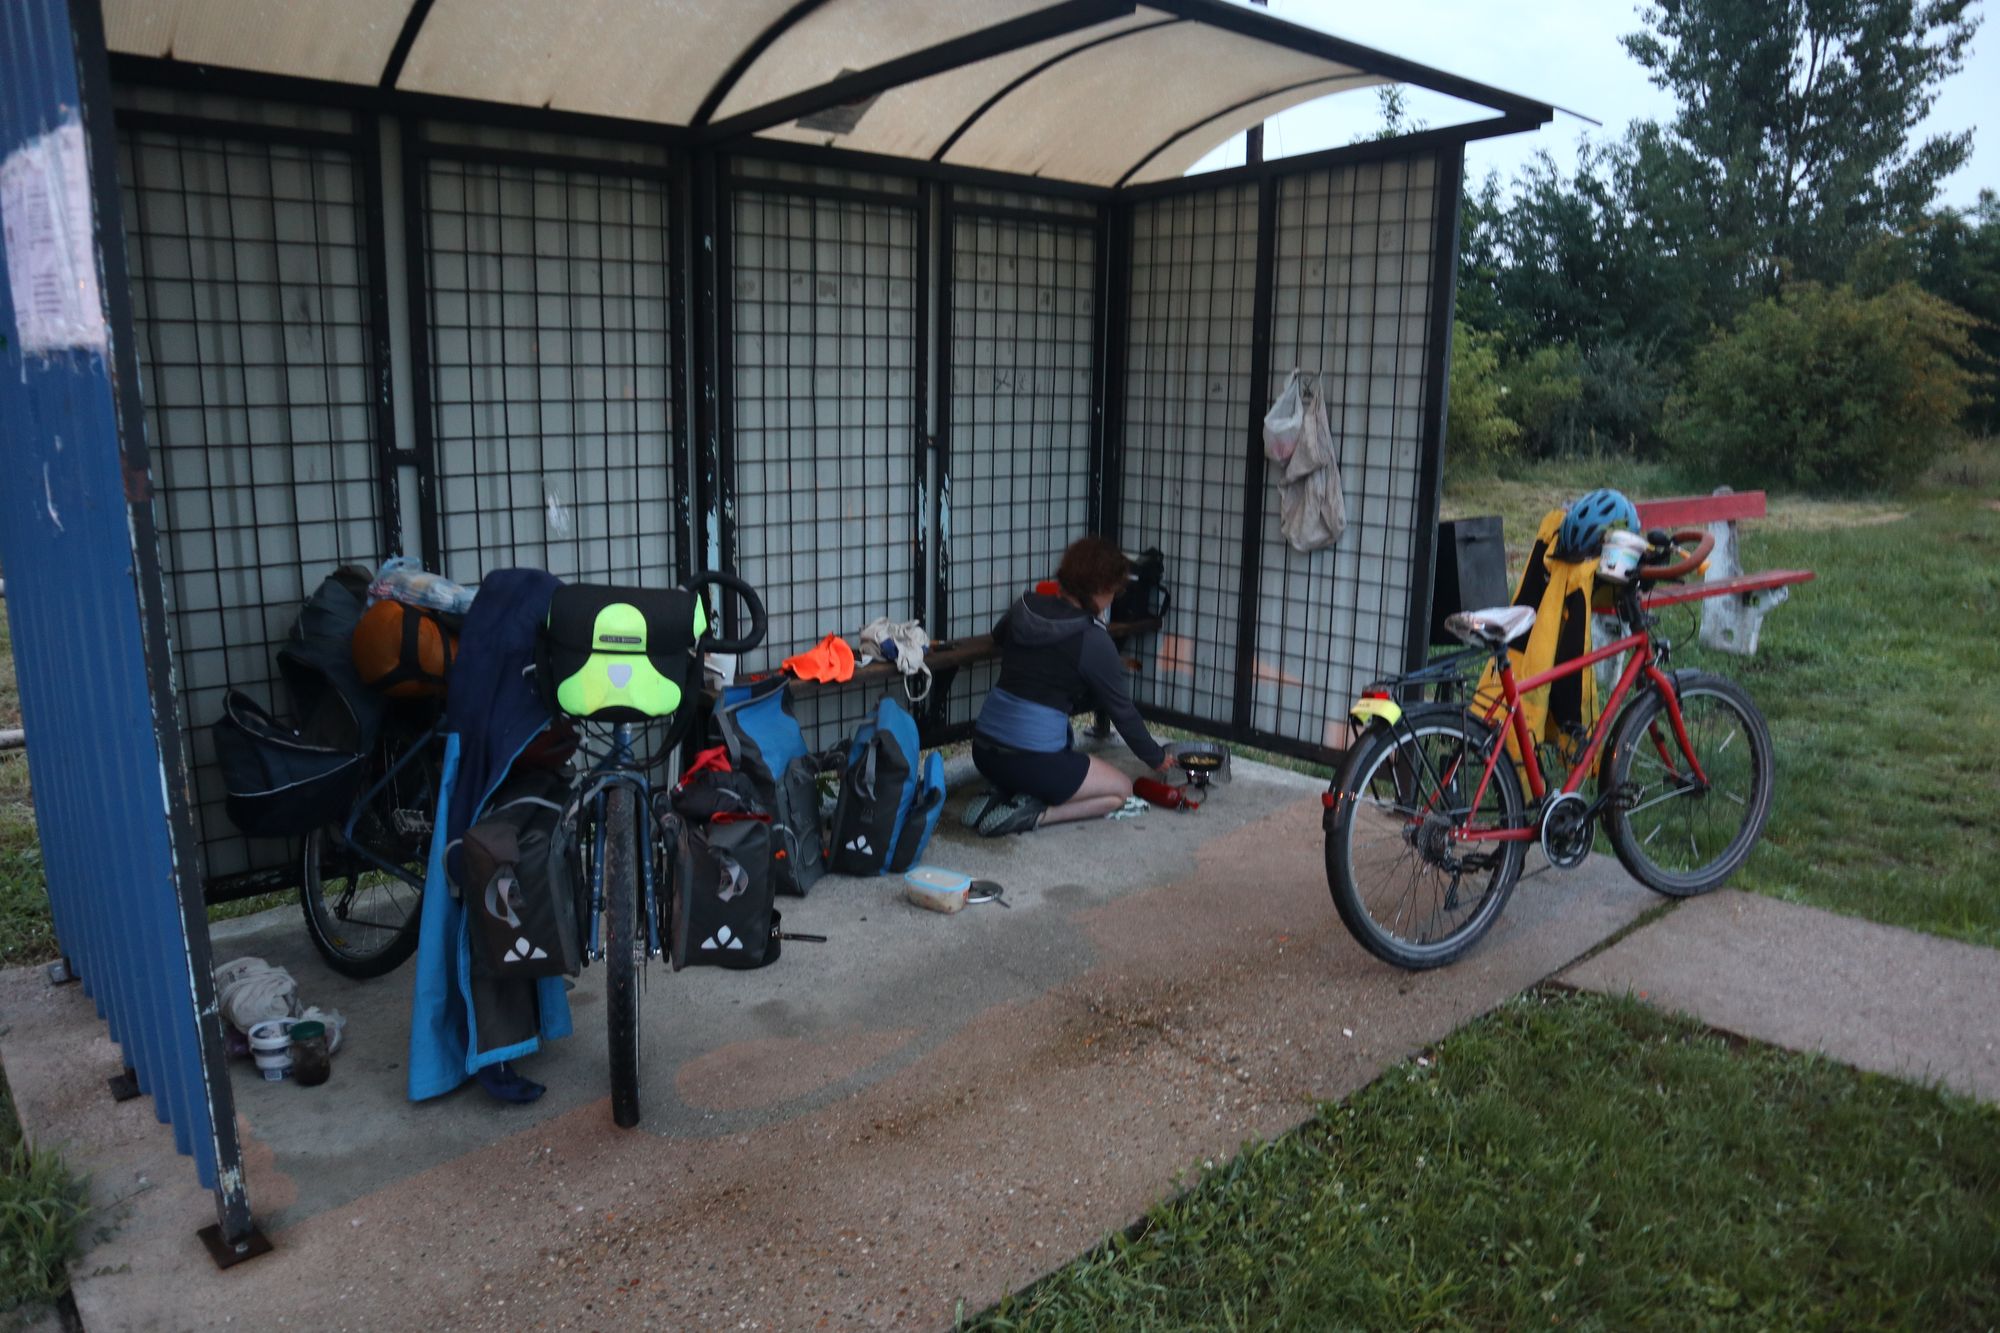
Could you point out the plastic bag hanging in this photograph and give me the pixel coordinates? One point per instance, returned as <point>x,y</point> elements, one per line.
<point>1286,420</point>
<point>1312,511</point>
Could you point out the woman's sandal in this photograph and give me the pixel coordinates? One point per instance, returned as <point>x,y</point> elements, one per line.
<point>1016,815</point>
<point>976,808</point>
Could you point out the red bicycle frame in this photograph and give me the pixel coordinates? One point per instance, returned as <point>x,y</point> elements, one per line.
<point>1643,661</point>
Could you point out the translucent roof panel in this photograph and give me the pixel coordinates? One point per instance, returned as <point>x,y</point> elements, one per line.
<point>1103,112</point>
<point>1092,91</point>
<point>918,119</point>
<point>1175,158</point>
<point>854,34</point>
<point>638,59</point>
<point>348,42</point>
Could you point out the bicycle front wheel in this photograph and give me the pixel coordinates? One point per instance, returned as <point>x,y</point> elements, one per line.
<point>1407,888</point>
<point>1676,833</point>
<point>624,951</point>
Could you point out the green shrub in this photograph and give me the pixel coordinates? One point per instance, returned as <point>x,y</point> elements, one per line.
<point>1477,427</point>
<point>1824,389</point>
<point>1543,390</point>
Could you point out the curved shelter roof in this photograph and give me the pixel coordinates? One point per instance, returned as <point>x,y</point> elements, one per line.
<point>1095,92</point>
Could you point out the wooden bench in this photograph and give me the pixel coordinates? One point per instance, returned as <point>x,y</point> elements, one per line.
<point>1734,603</point>
<point>946,658</point>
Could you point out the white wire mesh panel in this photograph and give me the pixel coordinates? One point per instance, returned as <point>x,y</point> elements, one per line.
<point>1186,430</point>
<point>826,513</point>
<point>1351,304</point>
<point>249,296</point>
<point>1022,322</point>
<point>551,375</point>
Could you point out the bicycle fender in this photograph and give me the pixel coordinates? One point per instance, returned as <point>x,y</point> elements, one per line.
<point>1364,711</point>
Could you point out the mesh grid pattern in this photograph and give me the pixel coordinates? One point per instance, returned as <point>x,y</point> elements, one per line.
<point>551,377</point>
<point>1187,420</point>
<point>1351,303</point>
<point>1022,325</point>
<point>249,290</point>
<point>827,508</point>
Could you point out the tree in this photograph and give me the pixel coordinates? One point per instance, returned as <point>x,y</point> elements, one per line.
<point>1828,389</point>
<point>1477,426</point>
<point>1794,132</point>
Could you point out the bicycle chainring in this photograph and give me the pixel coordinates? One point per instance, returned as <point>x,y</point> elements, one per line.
<point>1566,831</point>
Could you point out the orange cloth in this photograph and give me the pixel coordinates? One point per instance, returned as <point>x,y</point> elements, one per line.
<point>831,659</point>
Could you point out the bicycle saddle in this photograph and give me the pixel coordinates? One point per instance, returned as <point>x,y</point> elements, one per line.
<point>1494,625</point>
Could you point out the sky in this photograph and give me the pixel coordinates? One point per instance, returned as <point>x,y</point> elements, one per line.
<point>1564,52</point>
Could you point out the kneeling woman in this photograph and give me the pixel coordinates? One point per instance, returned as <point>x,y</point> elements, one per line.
<point>1057,657</point>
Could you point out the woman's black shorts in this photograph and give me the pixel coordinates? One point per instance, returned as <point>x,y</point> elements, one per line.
<point>1050,778</point>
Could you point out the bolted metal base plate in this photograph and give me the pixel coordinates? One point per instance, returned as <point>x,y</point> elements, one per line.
<point>227,1255</point>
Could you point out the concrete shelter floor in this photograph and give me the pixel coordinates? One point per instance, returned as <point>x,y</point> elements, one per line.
<point>881,1131</point>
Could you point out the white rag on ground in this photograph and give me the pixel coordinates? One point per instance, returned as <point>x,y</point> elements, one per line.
<point>249,991</point>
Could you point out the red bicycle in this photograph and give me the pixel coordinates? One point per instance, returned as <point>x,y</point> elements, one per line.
<point>1427,825</point>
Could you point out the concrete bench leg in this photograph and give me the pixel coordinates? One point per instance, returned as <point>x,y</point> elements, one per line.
<point>1731,624</point>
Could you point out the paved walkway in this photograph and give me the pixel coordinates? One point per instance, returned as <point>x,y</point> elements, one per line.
<point>1876,997</point>
<point>875,1133</point>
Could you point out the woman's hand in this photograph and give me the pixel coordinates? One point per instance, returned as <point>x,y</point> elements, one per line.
<point>1166,764</point>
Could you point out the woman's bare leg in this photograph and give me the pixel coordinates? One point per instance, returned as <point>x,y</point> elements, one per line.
<point>1104,789</point>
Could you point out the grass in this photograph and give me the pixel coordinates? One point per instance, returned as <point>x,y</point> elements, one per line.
<point>26,934</point>
<point>42,1211</point>
<point>1877,679</point>
<point>1572,1161</point>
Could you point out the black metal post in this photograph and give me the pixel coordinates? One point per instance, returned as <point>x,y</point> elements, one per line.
<point>368,158</point>
<point>940,442</point>
<point>1253,454</point>
<point>1114,262</point>
<point>681,374</point>
<point>416,265</point>
<point>1437,380</point>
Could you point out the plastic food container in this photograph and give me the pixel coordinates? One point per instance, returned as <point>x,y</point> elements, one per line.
<point>1621,556</point>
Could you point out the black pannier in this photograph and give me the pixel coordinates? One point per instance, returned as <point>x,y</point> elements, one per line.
<point>277,784</point>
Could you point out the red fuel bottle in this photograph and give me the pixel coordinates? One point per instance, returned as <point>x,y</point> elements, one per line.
<point>1165,796</point>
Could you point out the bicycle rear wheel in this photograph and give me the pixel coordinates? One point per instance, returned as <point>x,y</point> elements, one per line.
<point>1409,891</point>
<point>624,950</point>
<point>362,918</point>
<point>1676,834</point>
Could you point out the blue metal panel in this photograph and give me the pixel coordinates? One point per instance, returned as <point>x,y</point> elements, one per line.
<point>90,647</point>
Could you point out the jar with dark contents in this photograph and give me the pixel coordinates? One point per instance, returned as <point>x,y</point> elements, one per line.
<point>312,1061</point>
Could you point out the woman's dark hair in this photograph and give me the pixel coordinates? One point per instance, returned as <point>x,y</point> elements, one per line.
<point>1091,567</point>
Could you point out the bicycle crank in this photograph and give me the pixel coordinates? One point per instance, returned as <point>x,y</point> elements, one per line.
<point>1566,830</point>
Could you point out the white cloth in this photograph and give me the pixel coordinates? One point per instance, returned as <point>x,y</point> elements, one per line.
<point>903,642</point>
<point>1312,512</point>
<point>250,991</point>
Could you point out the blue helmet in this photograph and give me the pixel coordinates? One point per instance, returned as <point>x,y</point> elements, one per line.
<point>1587,521</point>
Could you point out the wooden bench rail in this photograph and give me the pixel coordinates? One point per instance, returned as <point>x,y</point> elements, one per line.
<point>944,658</point>
<point>1691,510</point>
<point>1740,584</point>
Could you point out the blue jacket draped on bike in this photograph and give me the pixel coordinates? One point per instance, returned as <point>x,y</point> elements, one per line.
<point>460,1024</point>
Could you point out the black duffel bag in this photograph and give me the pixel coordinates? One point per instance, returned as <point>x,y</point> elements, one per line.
<point>277,784</point>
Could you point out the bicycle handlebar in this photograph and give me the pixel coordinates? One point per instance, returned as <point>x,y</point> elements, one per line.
<point>1704,542</point>
<point>710,643</point>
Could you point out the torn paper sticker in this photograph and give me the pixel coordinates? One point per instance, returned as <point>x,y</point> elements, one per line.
<point>51,255</point>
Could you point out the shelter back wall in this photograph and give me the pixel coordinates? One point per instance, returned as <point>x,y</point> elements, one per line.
<point>912,414</point>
